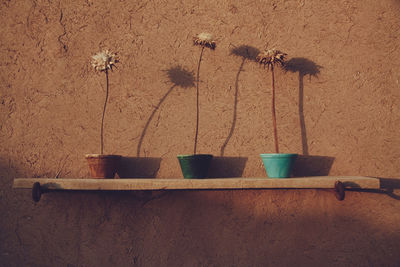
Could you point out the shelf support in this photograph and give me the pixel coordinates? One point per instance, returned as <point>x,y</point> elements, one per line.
<point>37,191</point>
<point>334,184</point>
<point>339,190</point>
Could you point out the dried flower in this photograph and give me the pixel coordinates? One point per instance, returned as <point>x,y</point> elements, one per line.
<point>205,40</point>
<point>269,58</point>
<point>104,60</point>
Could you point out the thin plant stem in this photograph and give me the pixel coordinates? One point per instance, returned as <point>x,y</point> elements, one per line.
<point>104,112</point>
<point>273,111</point>
<point>197,102</point>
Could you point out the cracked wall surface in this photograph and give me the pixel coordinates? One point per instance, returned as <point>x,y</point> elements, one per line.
<point>338,105</point>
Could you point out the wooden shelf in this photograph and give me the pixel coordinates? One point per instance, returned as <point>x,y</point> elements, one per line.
<point>198,184</point>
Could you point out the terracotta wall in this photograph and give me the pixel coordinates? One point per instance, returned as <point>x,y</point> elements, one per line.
<point>338,104</point>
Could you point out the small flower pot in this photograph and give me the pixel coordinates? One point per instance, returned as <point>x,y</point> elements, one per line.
<point>102,166</point>
<point>195,166</point>
<point>278,165</point>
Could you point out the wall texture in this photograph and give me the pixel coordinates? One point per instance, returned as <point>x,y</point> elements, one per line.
<point>338,104</point>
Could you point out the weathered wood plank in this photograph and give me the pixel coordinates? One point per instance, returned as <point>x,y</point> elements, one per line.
<point>198,184</point>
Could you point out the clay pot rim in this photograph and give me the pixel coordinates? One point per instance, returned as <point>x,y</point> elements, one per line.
<point>102,156</point>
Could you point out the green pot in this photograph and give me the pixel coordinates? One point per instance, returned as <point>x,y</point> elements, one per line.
<point>278,165</point>
<point>195,166</point>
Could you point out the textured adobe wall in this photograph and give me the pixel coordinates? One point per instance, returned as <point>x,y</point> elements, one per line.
<point>338,103</point>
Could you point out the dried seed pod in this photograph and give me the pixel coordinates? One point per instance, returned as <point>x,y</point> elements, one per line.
<point>104,60</point>
<point>205,40</point>
<point>269,58</point>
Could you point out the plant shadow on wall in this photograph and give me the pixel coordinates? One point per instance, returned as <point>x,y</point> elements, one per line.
<point>307,165</point>
<point>225,167</point>
<point>244,52</point>
<point>304,67</point>
<point>147,167</point>
<point>178,76</point>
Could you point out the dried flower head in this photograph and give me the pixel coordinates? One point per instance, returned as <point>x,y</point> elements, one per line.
<point>269,58</point>
<point>104,60</point>
<point>205,40</point>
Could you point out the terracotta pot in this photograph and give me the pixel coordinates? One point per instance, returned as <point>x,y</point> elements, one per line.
<point>103,166</point>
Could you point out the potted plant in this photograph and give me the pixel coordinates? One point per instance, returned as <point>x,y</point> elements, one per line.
<point>103,165</point>
<point>197,165</point>
<point>277,165</point>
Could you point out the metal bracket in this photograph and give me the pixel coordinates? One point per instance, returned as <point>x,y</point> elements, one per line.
<point>339,190</point>
<point>37,191</point>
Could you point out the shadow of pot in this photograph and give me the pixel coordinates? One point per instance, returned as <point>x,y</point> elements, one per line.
<point>227,167</point>
<point>138,167</point>
<point>311,165</point>
<point>102,166</point>
<point>195,166</point>
<point>278,165</point>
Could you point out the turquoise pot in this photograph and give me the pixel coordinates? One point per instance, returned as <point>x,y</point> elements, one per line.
<point>278,165</point>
